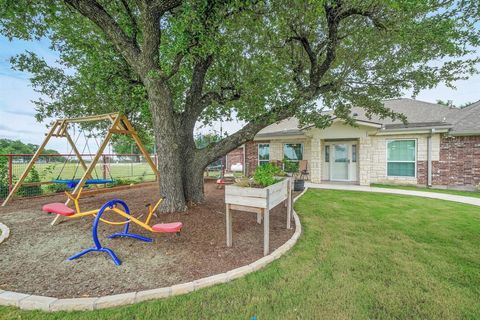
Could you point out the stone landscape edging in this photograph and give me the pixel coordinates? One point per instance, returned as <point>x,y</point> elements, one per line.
<point>5,232</point>
<point>35,302</point>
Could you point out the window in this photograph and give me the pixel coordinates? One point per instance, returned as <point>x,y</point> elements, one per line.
<point>354,153</point>
<point>327,153</point>
<point>401,158</point>
<point>263,153</point>
<point>293,151</point>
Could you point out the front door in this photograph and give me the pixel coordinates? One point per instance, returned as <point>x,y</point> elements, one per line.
<point>340,163</point>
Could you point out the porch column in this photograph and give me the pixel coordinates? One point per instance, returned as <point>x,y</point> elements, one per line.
<point>316,160</point>
<point>365,161</point>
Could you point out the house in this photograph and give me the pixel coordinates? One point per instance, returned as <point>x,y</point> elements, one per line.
<point>439,146</point>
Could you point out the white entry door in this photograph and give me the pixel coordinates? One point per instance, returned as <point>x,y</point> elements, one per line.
<point>339,164</point>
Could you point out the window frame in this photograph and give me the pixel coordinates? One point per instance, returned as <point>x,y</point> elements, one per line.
<point>414,161</point>
<point>354,152</point>
<point>302,148</point>
<point>258,154</point>
<point>327,159</point>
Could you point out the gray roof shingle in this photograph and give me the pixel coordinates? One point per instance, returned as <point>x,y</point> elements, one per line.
<point>467,120</point>
<point>419,114</point>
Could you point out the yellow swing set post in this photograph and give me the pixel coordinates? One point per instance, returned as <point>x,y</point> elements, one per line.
<point>119,124</point>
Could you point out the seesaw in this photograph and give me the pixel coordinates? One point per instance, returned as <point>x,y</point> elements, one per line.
<point>112,206</point>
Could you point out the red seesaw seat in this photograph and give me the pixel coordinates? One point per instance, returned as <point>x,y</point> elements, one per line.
<point>58,208</point>
<point>167,227</point>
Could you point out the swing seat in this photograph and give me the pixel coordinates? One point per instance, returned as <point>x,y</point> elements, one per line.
<point>58,208</point>
<point>72,183</point>
<point>167,227</point>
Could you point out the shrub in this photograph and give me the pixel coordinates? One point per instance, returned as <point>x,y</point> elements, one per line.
<point>123,181</point>
<point>265,175</point>
<point>3,177</point>
<point>34,176</point>
<point>290,166</point>
<point>57,187</point>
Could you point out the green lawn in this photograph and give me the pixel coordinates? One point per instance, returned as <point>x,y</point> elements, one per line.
<point>51,171</point>
<point>361,256</point>
<point>475,194</point>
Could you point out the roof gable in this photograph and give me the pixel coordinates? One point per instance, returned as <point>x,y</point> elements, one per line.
<point>419,114</point>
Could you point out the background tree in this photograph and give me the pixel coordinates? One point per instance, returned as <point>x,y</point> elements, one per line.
<point>8,146</point>
<point>449,103</point>
<point>126,145</point>
<point>170,64</point>
<point>204,140</point>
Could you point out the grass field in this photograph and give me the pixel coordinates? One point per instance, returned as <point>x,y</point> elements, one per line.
<point>361,256</point>
<point>475,194</point>
<point>50,171</point>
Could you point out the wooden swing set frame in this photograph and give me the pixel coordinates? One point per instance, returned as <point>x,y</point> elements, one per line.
<point>59,129</point>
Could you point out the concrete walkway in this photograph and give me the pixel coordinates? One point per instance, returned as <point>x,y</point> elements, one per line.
<point>424,194</point>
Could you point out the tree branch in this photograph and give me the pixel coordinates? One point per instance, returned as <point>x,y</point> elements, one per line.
<point>133,20</point>
<point>331,45</point>
<point>306,46</point>
<point>162,6</point>
<point>151,34</point>
<point>220,97</point>
<point>176,64</point>
<point>92,10</point>
<point>248,132</point>
<point>193,105</point>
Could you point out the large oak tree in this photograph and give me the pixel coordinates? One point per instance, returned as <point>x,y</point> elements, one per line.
<point>169,64</point>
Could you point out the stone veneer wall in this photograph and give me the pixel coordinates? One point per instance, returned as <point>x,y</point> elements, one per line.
<point>455,160</point>
<point>373,158</point>
<point>316,160</point>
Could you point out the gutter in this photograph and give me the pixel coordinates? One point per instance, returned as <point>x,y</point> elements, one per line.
<point>466,133</point>
<point>383,132</point>
<point>357,122</point>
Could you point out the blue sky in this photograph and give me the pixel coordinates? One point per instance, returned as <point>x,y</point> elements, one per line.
<point>17,110</point>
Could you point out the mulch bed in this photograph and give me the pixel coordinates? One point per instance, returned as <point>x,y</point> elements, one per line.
<point>33,259</point>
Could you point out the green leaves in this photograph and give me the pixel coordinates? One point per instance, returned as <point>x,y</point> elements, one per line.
<point>265,175</point>
<point>270,52</point>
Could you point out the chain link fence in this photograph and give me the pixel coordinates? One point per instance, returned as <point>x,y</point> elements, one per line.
<point>122,169</point>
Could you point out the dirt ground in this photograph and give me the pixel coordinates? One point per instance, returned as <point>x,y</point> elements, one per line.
<point>33,258</point>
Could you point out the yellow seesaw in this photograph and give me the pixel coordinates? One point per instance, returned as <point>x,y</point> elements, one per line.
<point>111,206</point>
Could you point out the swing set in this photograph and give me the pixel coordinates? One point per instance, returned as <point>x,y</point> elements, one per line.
<point>119,124</point>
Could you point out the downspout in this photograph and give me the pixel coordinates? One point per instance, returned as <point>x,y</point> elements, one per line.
<point>244,161</point>
<point>429,158</point>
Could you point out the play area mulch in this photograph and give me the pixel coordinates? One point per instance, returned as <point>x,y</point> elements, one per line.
<point>33,259</point>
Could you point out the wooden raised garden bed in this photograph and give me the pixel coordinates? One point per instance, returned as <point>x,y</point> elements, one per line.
<point>259,201</point>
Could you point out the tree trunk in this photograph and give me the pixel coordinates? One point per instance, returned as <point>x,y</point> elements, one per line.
<point>193,182</point>
<point>171,181</point>
<point>193,165</point>
<point>170,164</point>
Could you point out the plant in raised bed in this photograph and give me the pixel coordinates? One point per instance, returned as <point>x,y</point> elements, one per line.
<point>293,168</point>
<point>264,176</point>
<point>259,194</point>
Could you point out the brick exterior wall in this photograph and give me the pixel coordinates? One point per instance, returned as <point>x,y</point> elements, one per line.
<point>251,150</point>
<point>276,152</point>
<point>459,163</point>
<point>234,157</point>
